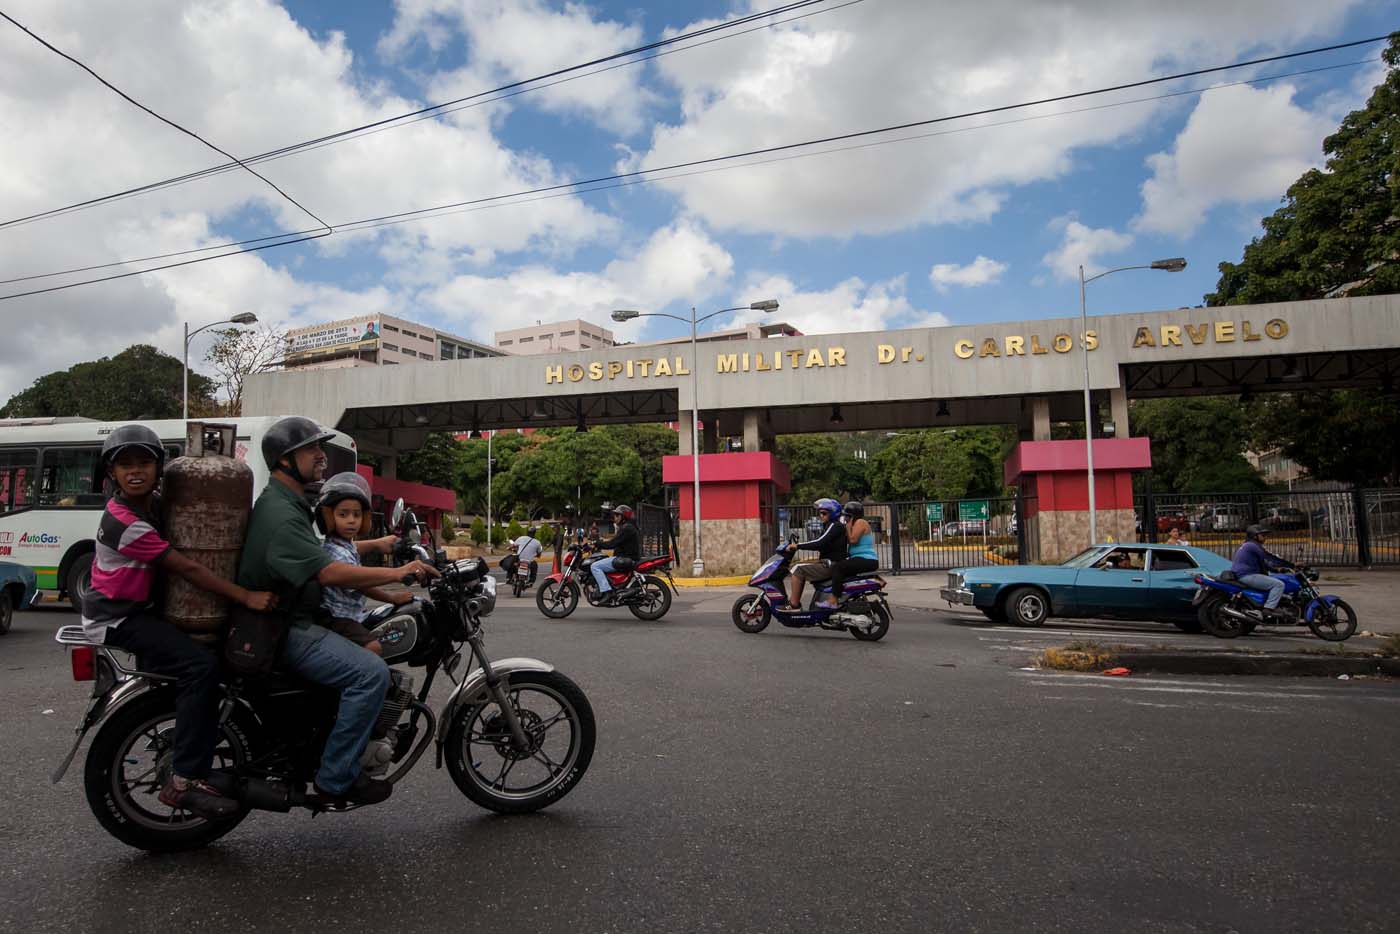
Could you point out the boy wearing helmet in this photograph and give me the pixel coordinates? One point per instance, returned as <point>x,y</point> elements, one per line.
<point>342,514</point>
<point>118,610</point>
<point>830,546</point>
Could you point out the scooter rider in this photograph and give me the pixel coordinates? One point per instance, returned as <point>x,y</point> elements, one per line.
<point>830,546</point>
<point>626,543</point>
<point>282,554</point>
<point>1252,563</point>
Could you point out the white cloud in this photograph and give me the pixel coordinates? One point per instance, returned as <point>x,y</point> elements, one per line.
<point>511,40</point>
<point>880,64</point>
<point>678,263</point>
<point>1079,245</point>
<point>981,271</point>
<point>1241,145</point>
<point>850,305</point>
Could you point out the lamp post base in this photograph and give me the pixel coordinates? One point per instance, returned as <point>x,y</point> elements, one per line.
<point>697,568</point>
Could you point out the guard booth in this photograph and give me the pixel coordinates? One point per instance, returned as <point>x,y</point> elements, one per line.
<point>737,495</point>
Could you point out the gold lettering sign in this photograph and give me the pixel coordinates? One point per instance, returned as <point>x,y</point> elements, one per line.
<point>963,349</point>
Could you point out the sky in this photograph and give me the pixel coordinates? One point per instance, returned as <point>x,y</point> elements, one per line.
<point>980,219</point>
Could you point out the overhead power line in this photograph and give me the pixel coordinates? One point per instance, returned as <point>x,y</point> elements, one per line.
<point>432,111</point>
<point>166,120</point>
<point>640,176</point>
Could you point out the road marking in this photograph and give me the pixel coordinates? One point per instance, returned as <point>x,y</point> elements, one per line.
<point>1199,687</point>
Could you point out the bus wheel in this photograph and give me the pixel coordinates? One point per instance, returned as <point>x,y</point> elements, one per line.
<point>79,580</point>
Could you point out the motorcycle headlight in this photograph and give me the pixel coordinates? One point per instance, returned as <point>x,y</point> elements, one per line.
<point>487,596</point>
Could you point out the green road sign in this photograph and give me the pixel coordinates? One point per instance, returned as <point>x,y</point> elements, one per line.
<point>934,511</point>
<point>973,509</point>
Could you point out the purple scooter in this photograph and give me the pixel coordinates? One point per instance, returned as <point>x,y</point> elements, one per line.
<point>864,610</point>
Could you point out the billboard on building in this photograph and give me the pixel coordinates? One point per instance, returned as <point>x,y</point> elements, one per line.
<point>359,333</point>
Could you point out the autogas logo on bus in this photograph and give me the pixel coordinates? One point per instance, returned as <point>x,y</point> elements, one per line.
<point>38,540</point>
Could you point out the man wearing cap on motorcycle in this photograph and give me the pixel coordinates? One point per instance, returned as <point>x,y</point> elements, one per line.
<point>625,543</point>
<point>1252,563</point>
<point>283,554</point>
<point>830,546</point>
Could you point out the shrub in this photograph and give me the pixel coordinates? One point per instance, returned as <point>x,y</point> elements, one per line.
<point>478,531</point>
<point>449,530</point>
<point>498,535</point>
<point>514,530</point>
<point>546,534</point>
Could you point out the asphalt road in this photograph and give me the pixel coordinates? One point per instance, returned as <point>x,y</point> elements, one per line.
<point>790,781</point>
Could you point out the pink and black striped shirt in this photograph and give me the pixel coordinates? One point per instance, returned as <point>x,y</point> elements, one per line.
<point>124,568</point>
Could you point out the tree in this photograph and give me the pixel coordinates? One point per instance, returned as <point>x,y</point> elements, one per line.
<point>564,469</point>
<point>1348,436</point>
<point>1339,226</point>
<point>236,353</point>
<point>471,478</point>
<point>1198,444</point>
<point>651,442</point>
<point>139,383</point>
<point>942,464</point>
<point>437,463</point>
<point>821,465</point>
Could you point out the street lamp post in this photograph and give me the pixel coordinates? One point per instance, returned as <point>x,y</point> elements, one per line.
<point>697,569</point>
<point>1176,264</point>
<point>245,317</point>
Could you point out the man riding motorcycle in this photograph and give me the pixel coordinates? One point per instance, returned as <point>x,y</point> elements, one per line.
<point>626,543</point>
<point>524,550</point>
<point>1251,565</point>
<point>282,554</point>
<point>830,545</point>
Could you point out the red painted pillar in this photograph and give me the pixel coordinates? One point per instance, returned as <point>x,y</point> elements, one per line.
<point>737,495</point>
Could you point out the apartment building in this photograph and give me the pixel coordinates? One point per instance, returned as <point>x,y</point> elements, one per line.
<point>376,340</point>
<point>555,337</point>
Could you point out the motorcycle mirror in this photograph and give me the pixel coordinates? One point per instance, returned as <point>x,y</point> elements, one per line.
<point>396,516</point>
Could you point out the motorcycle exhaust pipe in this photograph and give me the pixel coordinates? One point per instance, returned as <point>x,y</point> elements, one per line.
<point>258,793</point>
<point>1239,614</point>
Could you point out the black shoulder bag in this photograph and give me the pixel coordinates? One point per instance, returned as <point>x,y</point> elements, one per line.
<point>255,639</point>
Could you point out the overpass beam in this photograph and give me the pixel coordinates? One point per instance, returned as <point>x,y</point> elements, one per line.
<point>1118,405</point>
<point>1039,419</point>
<point>755,436</point>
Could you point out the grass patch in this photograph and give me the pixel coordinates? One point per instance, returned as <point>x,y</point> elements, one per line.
<point>1077,656</point>
<point>1390,645</point>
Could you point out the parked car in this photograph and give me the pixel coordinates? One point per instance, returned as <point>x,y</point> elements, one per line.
<point>1284,517</point>
<point>18,591</point>
<point>1154,582</point>
<point>1176,519</point>
<point>960,528</point>
<point>1227,517</point>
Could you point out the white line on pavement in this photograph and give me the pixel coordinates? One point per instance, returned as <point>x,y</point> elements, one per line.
<point>1197,687</point>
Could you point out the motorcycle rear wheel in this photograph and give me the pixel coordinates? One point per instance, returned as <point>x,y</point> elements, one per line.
<point>557,599</point>
<point>1216,622</point>
<point>878,628</point>
<point>656,597</point>
<point>518,586</point>
<point>1336,623</point>
<point>128,763</point>
<point>482,760</point>
<point>745,619</point>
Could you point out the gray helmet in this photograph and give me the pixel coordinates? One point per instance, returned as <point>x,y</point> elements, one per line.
<point>1254,531</point>
<point>342,486</point>
<point>287,435</point>
<point>854,509</point>
<point>133,436</point>
<point>622,510</point>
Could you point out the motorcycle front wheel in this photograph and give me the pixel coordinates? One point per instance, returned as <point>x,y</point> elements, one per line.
<point>1335,622</point>
<point>750,613</point>
<point>655,599</point>
<point>557,599</point>
<point>493,772</point>
<point>128,764</point>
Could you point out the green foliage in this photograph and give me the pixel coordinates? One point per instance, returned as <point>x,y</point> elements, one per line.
<point>1351,436</point>
<point>449,530</point>
<point>822,465</point>
<point>138,383</point>
<point>437,463</point>
<point>478,530</point>
<point>1198,444</point>
<point>545,535</point>
<point>551,474</point>
<point>514,530</point>
<point>471,480</point>
<point>651,442</point>
<point>942,464</point>
<point>1339,225</point>
<point>498,534</point>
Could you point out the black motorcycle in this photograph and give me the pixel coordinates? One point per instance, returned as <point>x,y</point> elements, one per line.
<point>516,735</point>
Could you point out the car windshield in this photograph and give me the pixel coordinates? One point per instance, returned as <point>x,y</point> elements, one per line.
<point>1084,558</point>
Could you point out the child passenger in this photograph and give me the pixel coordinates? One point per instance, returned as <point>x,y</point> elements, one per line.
<point>342,512</point>
<point>118,610</point>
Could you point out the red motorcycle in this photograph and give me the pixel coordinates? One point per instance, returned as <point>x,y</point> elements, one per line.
<point>636,585</point>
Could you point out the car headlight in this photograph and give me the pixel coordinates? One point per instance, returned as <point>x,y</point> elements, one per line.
<point>955,581</point>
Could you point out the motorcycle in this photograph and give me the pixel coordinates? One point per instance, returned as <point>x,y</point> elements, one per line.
<point>864,610</point>
<point>519,577</point>
<point>1226,608</point>
<point>516,735</point>
<point>636,585</point>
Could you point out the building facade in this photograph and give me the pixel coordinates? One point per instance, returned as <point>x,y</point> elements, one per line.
<point>555,337</point>
<point>375,340</point>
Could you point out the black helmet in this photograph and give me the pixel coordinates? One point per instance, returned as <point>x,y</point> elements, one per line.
<point>342,486</point>
<point>287,435</point>
<point>133,436</point>
<point>853,510</point>
<point>531,531</point>
<point>622,510</point>
<point>1254,531</point>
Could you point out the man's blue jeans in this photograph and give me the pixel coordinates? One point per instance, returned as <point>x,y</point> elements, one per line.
<point>1271,585</point>
<point>319,655</point>
<point>600,573</point>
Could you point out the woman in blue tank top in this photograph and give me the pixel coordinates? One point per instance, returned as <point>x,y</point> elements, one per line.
<point>861,558</point>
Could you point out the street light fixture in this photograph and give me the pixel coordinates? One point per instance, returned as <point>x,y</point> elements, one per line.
<point>697,568</point>
<point>243,317</point>
<point>1174,264</point>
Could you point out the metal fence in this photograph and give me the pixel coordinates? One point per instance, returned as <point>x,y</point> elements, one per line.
<point>926,535</point>
<point>1341,526</point>
<point>657,525</point>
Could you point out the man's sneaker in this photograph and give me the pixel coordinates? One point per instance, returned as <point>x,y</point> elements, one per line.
<point>199,798</point>
<point>363,790</point>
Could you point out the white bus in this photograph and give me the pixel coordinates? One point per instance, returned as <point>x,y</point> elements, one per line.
<point>52,492</point>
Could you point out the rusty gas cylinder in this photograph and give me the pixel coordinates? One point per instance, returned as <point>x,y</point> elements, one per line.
<point>206,498</point>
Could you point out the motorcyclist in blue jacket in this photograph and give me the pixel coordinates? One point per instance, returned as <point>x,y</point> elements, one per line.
<point>1252,563</point>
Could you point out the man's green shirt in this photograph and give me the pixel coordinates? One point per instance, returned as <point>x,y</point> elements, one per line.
<point>282,553</point>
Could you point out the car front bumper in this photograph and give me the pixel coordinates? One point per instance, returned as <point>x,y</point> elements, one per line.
<point>956,595</point>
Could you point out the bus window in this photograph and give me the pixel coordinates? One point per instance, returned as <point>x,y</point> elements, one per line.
<point>17,469</point>
<point>71,477</point>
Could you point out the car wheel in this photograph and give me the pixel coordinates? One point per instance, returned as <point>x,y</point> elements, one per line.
<point>7,611</point>
<point>1028,606</point>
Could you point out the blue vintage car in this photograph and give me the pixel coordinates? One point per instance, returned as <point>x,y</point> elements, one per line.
<point>17,592</point>
<point>1117,581</point>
